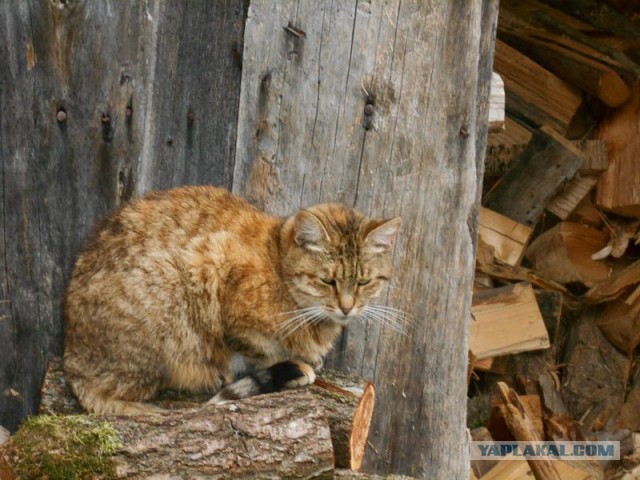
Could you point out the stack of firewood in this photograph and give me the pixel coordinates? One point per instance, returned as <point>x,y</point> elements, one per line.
<point>556,308</point>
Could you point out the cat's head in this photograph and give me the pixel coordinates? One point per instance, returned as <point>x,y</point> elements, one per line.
<point>336,261</point>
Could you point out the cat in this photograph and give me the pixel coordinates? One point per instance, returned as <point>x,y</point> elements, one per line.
<point>188,288</point>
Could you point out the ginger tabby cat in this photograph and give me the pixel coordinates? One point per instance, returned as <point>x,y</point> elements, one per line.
<point>188,288</point>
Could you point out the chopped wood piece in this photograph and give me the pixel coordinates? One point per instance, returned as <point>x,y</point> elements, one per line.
<point>596,159</point>
<point>586,214</point>
<point>629,417</point>
<point>613,287</point>
<point>621,234</point>
<point>507,237</point>
<point>619,321</point>
<point>342,474</point>
<point>534,94</point>
<point>496,104</point>
<point>573,62</point>
<point>281,435</point>
<point>506,320</point>
<point>547,163</point>
<point>522,427</point>
<point>348,403</point>
<point>618,186</point>
<point>533,408</point>
<point>563,254</point>
<point>594,377</point>
<point>512,134</point>
<point>568,199</point>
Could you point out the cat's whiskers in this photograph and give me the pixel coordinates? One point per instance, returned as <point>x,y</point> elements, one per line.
<point>390,317</point>
<point>302,317</point>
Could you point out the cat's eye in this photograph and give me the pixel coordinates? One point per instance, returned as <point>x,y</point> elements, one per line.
<point>364,281</point>
<point>328,281</point>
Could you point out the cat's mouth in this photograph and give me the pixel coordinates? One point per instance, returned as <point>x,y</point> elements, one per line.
<point>341,318</point>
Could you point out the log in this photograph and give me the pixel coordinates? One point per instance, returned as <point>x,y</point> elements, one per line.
<point>522,428</point>
<point>619,321</point>
<point>348,402</point>
<point>563,254</point>
<point>616,285</point>
<point>534,94</point>
<point>548,162</point>
<point>506,320</point>
<point>569,60</point>
<point>618,186</point>
<point>507,237</point>
<point>283,435</point>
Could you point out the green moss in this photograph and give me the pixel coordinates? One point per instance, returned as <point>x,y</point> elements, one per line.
<point>64,447</point>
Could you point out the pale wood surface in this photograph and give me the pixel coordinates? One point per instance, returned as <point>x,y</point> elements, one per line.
<point>508,238</point>
<point>506,320</point>
<point>618,186</point>
<point>306,135</point>
<point>496,104</point>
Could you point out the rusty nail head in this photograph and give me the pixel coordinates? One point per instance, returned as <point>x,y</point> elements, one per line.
<point>128,112</point>
<point>190,116</point>
<point>369,109</point>
<point>105,119</point>
<point>464,133</point>
<point>61,116</point>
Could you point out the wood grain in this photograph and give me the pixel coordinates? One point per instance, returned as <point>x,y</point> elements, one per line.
<point>306,135</point>
<point>125,82</point>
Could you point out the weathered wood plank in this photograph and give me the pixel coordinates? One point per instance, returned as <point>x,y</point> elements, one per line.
<point>375,106</point>
<point>547,163</point>
<point>89,91</point>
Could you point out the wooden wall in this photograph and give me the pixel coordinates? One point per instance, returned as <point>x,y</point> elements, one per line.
<point>99,100</point>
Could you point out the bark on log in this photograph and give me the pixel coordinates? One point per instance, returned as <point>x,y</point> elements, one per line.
<point>348,402</point>
<point>283,435</point>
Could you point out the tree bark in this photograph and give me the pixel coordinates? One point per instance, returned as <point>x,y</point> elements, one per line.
<point>376,105</point>
<point>347,401</point>
<point>283,435</point>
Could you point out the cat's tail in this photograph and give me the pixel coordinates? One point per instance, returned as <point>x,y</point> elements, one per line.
<point>281,376</point>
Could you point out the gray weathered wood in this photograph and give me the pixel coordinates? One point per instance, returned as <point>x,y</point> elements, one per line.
<point>547,163</point>
<point>306,134</point>
<point>90,91</point>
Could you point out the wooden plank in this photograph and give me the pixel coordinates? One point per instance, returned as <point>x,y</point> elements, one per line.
<point>618,186</point>
<point>366,115</point>
<point>506,320</point>
<point>569,60</point>
<point>508,238</point>
<point>94,112</point>
<point>535,177</point>
<point>534,94</point>
<point>567,200</point>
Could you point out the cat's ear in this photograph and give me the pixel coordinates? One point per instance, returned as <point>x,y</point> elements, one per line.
<point>309,232</point>
<point>382,237</point>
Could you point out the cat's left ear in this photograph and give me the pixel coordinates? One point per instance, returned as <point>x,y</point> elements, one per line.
<point>309,232</point>
<point>382,237</point>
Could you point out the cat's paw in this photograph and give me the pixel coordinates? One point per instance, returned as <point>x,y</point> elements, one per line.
<point>303,374</point>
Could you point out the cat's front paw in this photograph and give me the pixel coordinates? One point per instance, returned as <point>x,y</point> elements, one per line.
<point>299,374</point>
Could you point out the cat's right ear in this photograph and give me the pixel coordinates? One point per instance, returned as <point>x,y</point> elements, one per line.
<point>309,233</point>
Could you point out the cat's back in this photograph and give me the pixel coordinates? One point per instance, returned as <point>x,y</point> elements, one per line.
<point>163,223</point>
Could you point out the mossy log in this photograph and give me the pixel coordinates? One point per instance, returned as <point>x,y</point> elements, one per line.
<point>348,402</point>
<point>282,435</point>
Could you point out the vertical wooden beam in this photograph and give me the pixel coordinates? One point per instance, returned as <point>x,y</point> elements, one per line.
<point>374,105</point>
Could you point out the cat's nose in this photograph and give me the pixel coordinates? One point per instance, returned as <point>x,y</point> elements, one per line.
<point>345,303</point>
